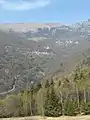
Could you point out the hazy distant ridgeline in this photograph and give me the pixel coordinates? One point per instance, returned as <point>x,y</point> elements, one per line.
<point>51,30</point>
<point>24,27</point>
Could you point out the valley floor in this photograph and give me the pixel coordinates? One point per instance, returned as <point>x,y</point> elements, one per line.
<point>46,118</point>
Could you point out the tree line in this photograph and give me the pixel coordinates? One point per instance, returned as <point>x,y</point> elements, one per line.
<point>66,96</point>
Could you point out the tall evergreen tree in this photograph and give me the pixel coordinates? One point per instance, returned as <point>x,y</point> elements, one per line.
<point>52,103</point>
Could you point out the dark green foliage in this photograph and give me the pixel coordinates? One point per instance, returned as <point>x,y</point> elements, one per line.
<point>70,108</point>
<point>75,77</point>
<point>59,84</point>
<point>52,82</point>
<point>86,108</point>
<point>67,80</point>
<point>37,87</point>
<point>47,84</point>
<point>52,104</point>
<point>32,89</point>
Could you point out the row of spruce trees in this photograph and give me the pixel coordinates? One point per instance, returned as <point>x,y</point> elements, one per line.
<point>55,97</point>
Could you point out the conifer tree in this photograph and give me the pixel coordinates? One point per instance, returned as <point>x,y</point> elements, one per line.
<point>52,103</point>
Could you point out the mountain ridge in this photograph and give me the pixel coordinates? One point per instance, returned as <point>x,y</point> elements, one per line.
<point>56,30</point>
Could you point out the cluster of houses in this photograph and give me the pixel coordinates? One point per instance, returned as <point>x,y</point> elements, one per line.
<point>67,42</point>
